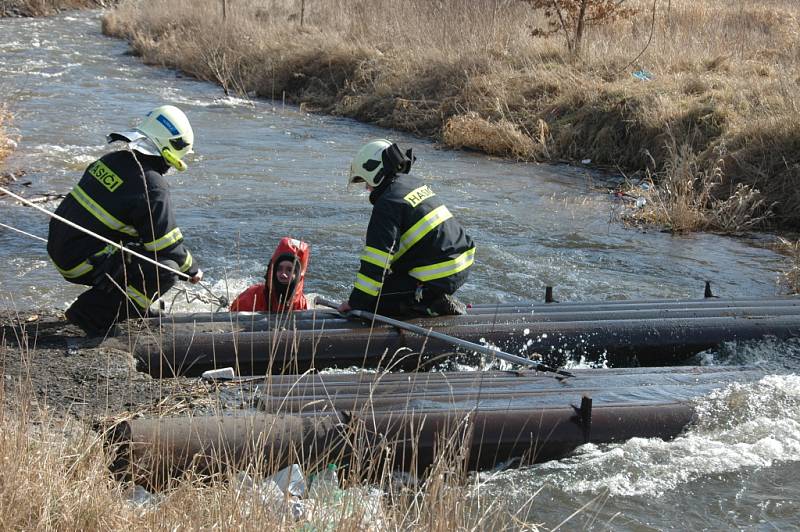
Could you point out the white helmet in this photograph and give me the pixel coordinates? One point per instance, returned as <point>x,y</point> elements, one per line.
<point>165,131</point>
<point>378,159</point>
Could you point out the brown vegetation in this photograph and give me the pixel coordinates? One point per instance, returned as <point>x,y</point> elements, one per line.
<point>792,274</point>
<point>40,8</point>
<point>55,462</point>
<point>684,200</point>
<point>6,145</point>
<point>54,469</point>
<point>725,76</point>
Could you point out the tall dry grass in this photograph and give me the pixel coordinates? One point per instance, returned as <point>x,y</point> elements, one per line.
<point>725,74</point>
<point>684,198</point>
<point>54,475</point>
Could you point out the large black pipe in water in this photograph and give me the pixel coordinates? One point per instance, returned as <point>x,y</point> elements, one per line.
<point>336,322</point>
<point>628,342</point>
<point>153,451</point>
<point>413,420</point>
<point>494,390</point>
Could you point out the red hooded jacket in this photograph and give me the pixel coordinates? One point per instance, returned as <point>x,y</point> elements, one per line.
<point>268,296</point>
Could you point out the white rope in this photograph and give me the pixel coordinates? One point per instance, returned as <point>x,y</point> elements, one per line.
<point>23,232</point>
<point>111,242</point>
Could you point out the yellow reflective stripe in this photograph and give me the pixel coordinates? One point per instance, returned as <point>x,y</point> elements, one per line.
<point>186,263</point>
<point>108,250</point>
<point>81,269</point>
<point>377,257</point>
<point>367,285</point>
<point>100,213</point>
<point>424,226</point>
<point>165,241</point>
<point>139,298</point>
<point>444,269</point>
<point>84,267</point>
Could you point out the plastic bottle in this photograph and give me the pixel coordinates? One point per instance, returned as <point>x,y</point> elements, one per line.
<point>325,485</point>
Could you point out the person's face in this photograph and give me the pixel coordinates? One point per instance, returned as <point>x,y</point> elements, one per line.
<point>285,271</point>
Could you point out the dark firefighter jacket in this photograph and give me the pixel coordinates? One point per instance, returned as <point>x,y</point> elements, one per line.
<point>113,200</point>
<point>412,233</point>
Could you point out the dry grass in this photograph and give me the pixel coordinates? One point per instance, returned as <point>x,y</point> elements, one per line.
<point>40,8</point>
<point>792,274</point>
<point>54,475</point>
<point>6,144</point>
<point>726,73</point>
<point>685,201</point>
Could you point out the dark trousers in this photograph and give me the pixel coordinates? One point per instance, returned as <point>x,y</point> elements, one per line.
<point>120,289</point>
<point>402,295</point>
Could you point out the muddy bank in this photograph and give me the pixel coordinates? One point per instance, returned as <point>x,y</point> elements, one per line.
<point>43,8</point>
<point>713,78</point>
<point>45,359</point>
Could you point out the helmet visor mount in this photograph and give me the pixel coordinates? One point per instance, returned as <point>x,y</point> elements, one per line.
<point>178,143</point>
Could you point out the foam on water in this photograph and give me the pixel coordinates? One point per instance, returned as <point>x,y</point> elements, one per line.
<point>741,426</point>
<point>179,97</point>
<point>185,297</point>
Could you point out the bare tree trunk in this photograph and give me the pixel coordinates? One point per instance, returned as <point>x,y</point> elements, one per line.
<point>563,24</point>
<point>580,26</point>
<point>302,11</point>
<point>224,9</point>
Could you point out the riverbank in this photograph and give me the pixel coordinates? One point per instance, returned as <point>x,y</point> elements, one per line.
<point>42,8</point>
<point>715,91</point>
<point>6,144</point>
<point>57,389</point>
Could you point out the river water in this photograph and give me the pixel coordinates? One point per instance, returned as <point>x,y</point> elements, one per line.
<point>263,170</point>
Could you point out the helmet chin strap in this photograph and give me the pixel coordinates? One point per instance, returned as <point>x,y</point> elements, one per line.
<point>172,160</point>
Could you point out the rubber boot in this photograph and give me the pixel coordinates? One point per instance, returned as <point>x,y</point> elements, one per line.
<point>95,321</point>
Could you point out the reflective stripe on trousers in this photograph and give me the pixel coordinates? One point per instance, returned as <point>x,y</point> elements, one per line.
<point>444,269</point>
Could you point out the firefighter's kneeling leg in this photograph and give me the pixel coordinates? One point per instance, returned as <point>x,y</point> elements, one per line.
<point>96,311</point>
<point>145,283</point>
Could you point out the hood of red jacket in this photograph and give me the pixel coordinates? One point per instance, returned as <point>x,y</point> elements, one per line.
<point>289,248</point>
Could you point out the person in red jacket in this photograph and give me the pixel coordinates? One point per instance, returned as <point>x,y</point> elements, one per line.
<point>283,286</point>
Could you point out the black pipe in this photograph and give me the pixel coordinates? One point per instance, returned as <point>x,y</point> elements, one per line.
<point>151,452</point>
<point>336,322</point>
<point>327,392</point>
<point>644,302</point>
<point>629,305</point>
<point>244,319</point>
<point>601,315</point>
<point>627,342</point>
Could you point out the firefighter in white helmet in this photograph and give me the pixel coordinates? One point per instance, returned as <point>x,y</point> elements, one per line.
<point>416,255</point>
<point>124,197</point>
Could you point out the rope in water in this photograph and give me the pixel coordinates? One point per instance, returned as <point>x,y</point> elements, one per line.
<point>23,232</point>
